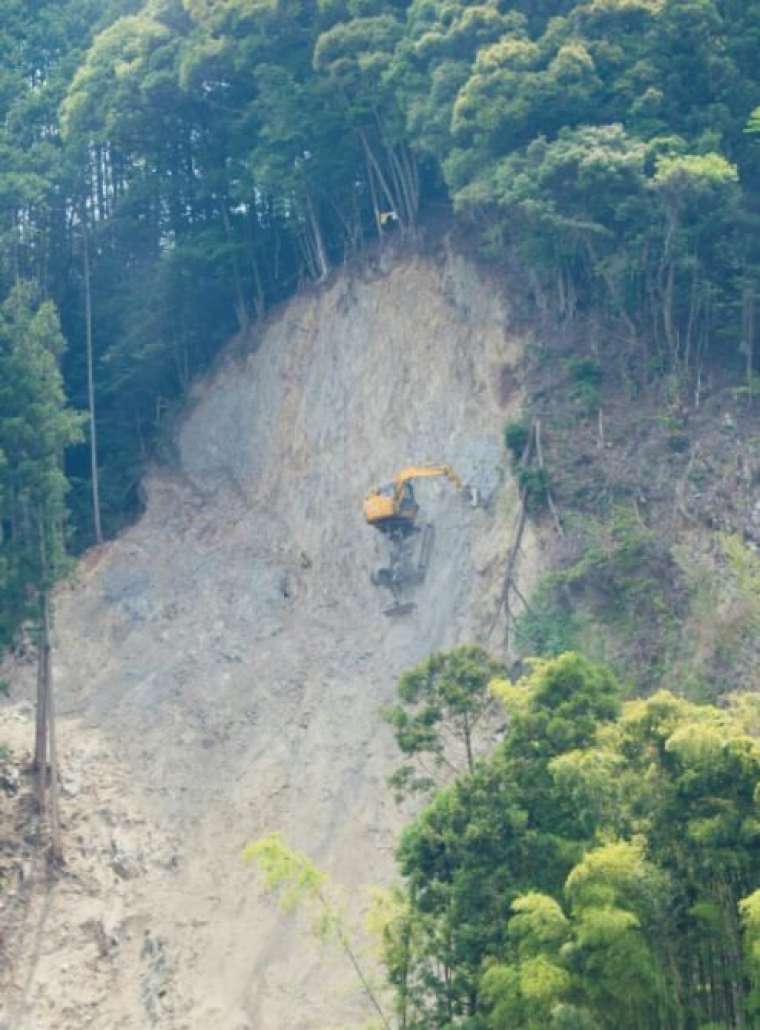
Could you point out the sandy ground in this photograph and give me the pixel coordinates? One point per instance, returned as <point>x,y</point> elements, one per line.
<point>220,667</point>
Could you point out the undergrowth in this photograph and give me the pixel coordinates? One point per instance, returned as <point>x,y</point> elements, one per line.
<point>661,617</point>
<point>609,599</point>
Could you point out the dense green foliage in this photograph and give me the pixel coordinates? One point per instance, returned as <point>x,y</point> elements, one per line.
<point>35,428</point>
<point>599,869</point>
<point>214,155</point>
<point>445,718</point>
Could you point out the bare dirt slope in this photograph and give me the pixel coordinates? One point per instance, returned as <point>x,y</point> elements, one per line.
<point>221,666</point>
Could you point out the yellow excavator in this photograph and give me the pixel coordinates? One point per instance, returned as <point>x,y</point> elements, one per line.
<point>393,509</point>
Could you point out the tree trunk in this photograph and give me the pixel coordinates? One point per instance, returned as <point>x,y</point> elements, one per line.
<point>692,322</point>
<point>56,848</point>
<point>748,332</point>
<point>259,296</point>
<point>372,160</point>
<point>241,309</point>
<point>373,198</point>
<point>413,175</point>
<point>668,312</point>
<point>468,744</point>
<point>96,160</point>
<point>405,183</point>
<point>45,739</point>
<point>41,730</point>
<point>91,384</point>
<point>318,242</point>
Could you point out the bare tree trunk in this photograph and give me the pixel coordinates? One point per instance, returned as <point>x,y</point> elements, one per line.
<point>259,298</point>
<point>259,301</point>
<point>41,730</point>
<point>413,172</point>
<point>16,246</point>
<point>96,182</point>
<point>468,743</point>
<point>692,322</point>
<point>241,309</point>
<point>45,740</point>
<point>401,166</point>
<point>372,160</point>
<point>91,383</point>
<point>108,170</point>
<point>399,187</point>
<point>318,242</point>
<point>308,250</point>
<point>671,334</point>
<point>748,332</point>
<point>350,225</point>
<point>56,848</point>
<point>309,262</point>
<point>373,196</point>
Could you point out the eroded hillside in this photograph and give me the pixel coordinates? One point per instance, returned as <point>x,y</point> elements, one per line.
<point>220,667</point>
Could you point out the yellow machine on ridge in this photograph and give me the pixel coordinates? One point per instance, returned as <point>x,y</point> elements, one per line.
<point>393,509</point>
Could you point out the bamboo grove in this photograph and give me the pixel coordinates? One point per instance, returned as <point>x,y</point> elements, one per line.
<point>598,868</point>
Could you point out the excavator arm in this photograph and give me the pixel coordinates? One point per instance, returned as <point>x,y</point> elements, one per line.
<point>424,471</point>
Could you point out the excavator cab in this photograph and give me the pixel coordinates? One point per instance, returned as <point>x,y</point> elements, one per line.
<point>391,507</point>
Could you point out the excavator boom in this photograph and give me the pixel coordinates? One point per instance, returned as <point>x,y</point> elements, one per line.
<point>424,471</point>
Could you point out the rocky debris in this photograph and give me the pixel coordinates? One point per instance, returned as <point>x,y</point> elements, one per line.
<point>155,978</point>
<point>124,864</point>
<point>10,776</point>
<point>221,668</point>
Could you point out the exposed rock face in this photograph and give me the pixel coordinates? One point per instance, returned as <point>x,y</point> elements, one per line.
<point>222,665</point>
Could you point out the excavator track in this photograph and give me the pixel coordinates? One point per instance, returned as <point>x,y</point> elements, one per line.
<point>425,550</point>
<point>399,608</point>
<point>407,567</point>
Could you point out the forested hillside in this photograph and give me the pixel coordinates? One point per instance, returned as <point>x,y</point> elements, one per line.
<point>171,169</point>
<point>255,253</point>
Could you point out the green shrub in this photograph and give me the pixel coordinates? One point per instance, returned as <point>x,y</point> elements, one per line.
<point>678,442</point>
<point>586,398</point>
<point>586,375</point>
<point>585,370</point>
<point>534,482</point>
<point>548,628</point>
<point>516,438</point>
<point>750,389</point>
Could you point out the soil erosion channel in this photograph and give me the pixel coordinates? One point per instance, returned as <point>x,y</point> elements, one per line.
<point>221,666</point>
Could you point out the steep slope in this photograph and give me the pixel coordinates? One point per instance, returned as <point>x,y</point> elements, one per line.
<point>221,666</point>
